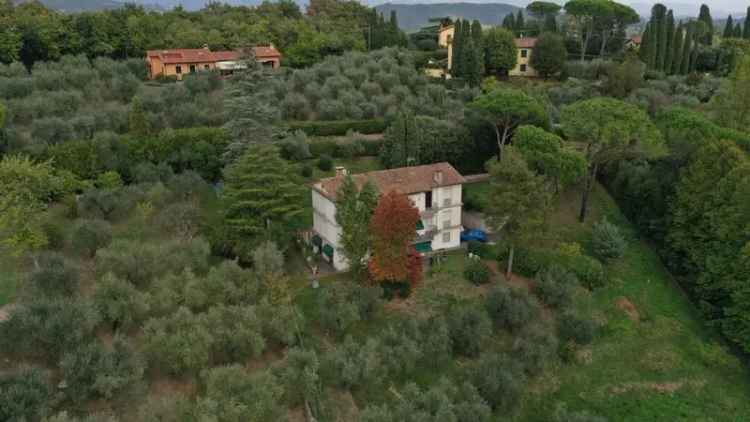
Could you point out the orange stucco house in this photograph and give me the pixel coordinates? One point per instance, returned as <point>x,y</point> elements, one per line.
<point>180,61</point>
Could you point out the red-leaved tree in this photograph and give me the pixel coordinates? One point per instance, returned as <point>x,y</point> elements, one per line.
<point>393,228</point>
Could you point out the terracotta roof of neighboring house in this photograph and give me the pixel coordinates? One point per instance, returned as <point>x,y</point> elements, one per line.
<point>404,180</point>
<point>636,39</point>
<point>525,42</point>
<point>204,55</point>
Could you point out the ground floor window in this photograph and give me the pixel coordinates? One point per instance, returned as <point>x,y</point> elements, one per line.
<point>192,68</point>
<point>178,69</point>
<point>523,68</point>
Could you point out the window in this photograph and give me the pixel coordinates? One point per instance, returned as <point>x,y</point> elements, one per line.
<point>192,68</point>
<point>447,201</point>
<point>446,237</point>
<point>178,69</point>
<point>447,223</point>
<point>428,199</point>
<point>206,67</point>
<point>523,68</point>
<point>524,53</point>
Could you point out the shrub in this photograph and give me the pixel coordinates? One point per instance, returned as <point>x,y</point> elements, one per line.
<point>477,272</point>
<point>55,234</point>
<point>469,327</point>
<point>589,271</point>
<point>354,365</point>
<point>306,171</point>
<point>166,408</point>
<point>268,259</point>
<point>25,394</point>
<point>578,330</point>
<point>54,277</point>
<point>178,343</point>
<point>295,147</point>
<point>92,372</point>
<point>537,349</point>
<point>281,322</point>
<point>607,241</point>
<point>119,302</point>
<point>301,377</point>
<point>236,331</point>
<point>512,309</point>
<point>325,163</point>
<point>400,348</point>
<point>90,235</point>
<point>435,340</point>
<point>554,286</point>
<point>339,127</point>
<point>500,381</point>
<point>336,312</point>
<point>233,394</point>
<point>48,327</point>
<point>182,219</point>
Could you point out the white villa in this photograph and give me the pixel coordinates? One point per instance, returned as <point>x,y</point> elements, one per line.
<point>434,189</point>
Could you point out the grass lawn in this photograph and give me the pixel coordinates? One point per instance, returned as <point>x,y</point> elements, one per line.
<point>663,365</point>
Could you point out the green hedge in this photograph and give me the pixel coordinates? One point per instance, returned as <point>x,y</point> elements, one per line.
<point>345,148</point>
<point>339,127</point>
<point>530,261</point>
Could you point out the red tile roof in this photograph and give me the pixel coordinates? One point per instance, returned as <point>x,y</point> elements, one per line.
<point>204,55</point>
<point>636,39</point>
<point>404,180</point>
<point>525,42</point>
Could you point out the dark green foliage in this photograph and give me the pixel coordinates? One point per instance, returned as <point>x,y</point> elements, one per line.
<point>419,140</point>
<point>54,277</point>
<point>48,328</point>
<point>90,235</point>
<point>477,272</point>
<point>549,55</point>
<point>90,371</point>
<point>337,314</point>
<point>119,303</point>
<point>353,365</point>
<point>704,17</point>
<point>624,78</point>
<point>511,309</point>
<point>233,394</point>
<point>537,350</point>
<point>555,287</point>
<point>729,28</point>
<point>445,401</point>
<point>325,163</point>
<point>578,330</point>
<point>25,395</point>
<point>607,241</point>
<point>469,327</point>
<point>500,381</point>
<point>301,377</point>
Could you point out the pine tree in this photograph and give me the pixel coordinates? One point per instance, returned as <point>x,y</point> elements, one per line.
<point>746,30</point>
<point>687,49</point>
<point>677,37</point>
<point>705,16</point>
<point>669,53</point>
<point>729,29</point>
<point>457,47</point>
<point>738,30</point>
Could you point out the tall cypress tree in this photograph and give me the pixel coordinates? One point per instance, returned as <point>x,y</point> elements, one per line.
<point>687,49</point>
<point>471,63</point>
<point>550,23</point>
<point>476,36</point>
<point>644,51</point>
<point>466,36</point>
<point>729,29</point>
<point>457,46</point>
<point>669,53</point>
<point>746,30</point>
<point>738,31</point>
<point>509,22</point>
<point>663,37</point>
<point>520,24</point>
<point>677,39</point>
<point>705,16</point>
<point>658,13</point>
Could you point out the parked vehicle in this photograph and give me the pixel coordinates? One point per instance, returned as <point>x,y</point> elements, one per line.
<point>474,234</point>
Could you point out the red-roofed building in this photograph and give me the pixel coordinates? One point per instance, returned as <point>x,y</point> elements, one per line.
<point>434,189</point>
<point>179,61</point>
<point>525,47</point>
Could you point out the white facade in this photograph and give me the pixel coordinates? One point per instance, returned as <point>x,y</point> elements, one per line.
<point>441,219</point>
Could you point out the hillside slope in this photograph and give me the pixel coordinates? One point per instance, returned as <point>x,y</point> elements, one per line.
<point>414,16</point>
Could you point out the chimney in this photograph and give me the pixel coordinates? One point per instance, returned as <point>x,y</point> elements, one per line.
<point>205,46</point>
<point>340,171</point>
<point>438,177</point>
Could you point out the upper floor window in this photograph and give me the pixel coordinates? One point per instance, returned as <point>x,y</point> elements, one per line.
<point>447,223</point>
<point>524,53</point>
<point>447,201</point>
<point>178,69</point>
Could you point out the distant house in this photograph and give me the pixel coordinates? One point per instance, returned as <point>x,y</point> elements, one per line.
<point>434,189</point>
<point>177,62</point>
<point>445,40</point>
<point>634,42</point>
<point>525,47</point>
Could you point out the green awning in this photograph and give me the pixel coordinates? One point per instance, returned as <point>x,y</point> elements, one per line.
<point>328,250</point>
<point>317,241</point>
<point>423,247</point>
<point>420,225</point>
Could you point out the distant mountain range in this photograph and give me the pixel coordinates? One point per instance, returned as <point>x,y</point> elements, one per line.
<point>414,16</point>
